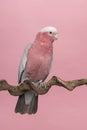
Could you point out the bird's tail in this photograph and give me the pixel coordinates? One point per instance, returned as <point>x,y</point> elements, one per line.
<point>27,103</point>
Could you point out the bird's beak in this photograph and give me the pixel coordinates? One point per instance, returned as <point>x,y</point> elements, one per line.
<point>55,36</point>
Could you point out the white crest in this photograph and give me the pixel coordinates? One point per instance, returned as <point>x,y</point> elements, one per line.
<point>49,29</point>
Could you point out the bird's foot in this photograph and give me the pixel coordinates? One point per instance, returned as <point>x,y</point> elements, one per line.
<point>24,80</point>
<point>41,83</point>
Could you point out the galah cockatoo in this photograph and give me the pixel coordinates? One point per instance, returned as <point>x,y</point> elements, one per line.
<point>35,66</point>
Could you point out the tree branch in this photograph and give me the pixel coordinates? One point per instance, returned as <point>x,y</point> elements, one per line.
<point>40,89</point>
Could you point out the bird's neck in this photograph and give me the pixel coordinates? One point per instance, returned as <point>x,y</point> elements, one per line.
<point>43,46</point>
<point>43,43</point>
<point>44,38</point>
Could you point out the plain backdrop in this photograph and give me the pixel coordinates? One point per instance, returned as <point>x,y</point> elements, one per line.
<point>20,20</point>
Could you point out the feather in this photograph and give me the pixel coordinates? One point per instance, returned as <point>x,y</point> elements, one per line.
<point>23,63</point>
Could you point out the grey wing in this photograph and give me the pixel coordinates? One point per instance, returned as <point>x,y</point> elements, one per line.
<point>23,63</point>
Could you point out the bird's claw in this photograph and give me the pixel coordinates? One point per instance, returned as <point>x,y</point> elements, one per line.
<point>42,84</point>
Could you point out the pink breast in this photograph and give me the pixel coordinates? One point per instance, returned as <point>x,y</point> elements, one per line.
<point>38,65</point>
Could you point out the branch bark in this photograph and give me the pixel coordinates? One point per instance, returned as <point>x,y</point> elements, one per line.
<point>41,89</point>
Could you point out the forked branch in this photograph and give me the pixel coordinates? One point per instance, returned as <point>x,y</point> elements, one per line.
<point>40,89</point>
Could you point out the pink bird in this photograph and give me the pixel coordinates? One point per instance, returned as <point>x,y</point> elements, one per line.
<point>35,66</point>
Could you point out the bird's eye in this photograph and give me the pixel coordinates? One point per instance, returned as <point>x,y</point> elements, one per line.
<point>50,32</point>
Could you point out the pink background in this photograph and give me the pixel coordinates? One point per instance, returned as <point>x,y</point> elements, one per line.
<point>19,22</point>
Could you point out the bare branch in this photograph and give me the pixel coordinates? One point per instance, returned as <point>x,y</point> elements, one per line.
<point>14,90</point>
<point>20,89</point>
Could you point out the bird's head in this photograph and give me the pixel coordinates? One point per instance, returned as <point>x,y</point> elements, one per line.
<point>48,33</point>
